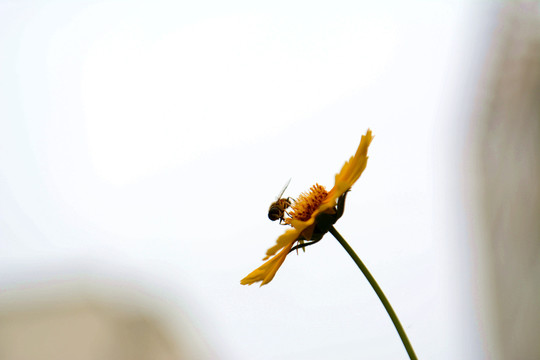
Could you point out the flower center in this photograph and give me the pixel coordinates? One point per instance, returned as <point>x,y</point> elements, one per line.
<point>308,202</point>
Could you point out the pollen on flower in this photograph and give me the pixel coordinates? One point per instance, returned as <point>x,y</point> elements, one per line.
<point>308,202</point>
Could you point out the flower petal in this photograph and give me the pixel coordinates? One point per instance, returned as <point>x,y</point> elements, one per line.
<point>289,237</point>
<point>267,271</point>
<point>351,170</point>
<point>305,227</point>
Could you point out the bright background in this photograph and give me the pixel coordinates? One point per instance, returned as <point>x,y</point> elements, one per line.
<point>141,144</point>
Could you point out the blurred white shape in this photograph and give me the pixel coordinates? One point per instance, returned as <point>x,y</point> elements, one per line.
<point>69,321</point>
<point>506,166</point>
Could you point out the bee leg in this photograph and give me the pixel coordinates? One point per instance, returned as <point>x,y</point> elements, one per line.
<point>303,245</point>
<point>300,242</point>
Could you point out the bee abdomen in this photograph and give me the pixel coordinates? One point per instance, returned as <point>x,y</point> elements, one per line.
<point>274,214</point>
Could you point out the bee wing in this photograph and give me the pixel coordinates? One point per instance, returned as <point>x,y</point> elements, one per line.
<point>283,190</point>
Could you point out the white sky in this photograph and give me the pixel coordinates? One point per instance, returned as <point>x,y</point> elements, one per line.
<point>144,141</point>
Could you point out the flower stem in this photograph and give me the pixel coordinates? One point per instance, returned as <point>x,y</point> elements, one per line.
<point>379,292</point>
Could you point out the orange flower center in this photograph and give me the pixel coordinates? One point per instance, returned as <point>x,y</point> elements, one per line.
<point>308,202</point>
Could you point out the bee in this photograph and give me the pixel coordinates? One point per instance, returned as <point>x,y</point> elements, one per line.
<point>278,208</point>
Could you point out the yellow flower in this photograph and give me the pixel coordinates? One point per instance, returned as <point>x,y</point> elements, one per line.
<point>312,214</point>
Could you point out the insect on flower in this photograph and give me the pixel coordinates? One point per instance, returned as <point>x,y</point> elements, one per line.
<point>279,207</point>
<point>312,214</point>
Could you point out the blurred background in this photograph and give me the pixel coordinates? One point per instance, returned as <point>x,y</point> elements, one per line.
<point>141,144</point>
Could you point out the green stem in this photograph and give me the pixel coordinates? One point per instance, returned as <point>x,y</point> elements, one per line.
<point>379,292</point>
